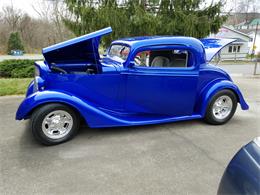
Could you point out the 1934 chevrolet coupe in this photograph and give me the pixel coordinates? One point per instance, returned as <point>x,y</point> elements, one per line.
<point>140,81</point>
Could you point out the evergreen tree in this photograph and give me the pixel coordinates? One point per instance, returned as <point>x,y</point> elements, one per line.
<point>144,17</point>
<point>14,42</point>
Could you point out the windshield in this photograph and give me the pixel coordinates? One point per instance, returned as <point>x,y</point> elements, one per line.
<point>120,52</point>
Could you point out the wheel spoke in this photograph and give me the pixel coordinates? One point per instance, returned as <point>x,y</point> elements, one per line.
<point>59,124</point>
<point>222,107</point>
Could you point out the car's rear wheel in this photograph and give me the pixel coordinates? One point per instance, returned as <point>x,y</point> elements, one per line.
<point>221,107</point>
<point>54,123</point>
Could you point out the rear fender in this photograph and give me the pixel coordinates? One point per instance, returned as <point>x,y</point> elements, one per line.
<point>92,115</point>
<point>216,86</point>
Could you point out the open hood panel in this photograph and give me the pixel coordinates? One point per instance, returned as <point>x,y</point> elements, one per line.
<point>213,46</point>
<point>80,49</point>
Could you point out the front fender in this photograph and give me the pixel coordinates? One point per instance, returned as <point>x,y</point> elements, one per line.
<point>216,86</point>
<point>93,116</point>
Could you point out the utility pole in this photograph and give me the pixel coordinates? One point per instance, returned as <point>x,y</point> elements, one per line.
<point>254,49</point>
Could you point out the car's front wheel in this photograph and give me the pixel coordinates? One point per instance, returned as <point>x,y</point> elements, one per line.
<point>54,123</point>
<point>221,107</point>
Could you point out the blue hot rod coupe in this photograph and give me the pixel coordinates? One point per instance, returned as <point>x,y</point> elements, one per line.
<point>139,81</point>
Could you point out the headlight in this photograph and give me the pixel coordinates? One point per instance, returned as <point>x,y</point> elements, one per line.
<point>36,71</point>
<point>36,74</point>
<point>35,85</point>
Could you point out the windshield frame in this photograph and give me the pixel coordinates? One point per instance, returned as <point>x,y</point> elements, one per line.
<point>117,58</point>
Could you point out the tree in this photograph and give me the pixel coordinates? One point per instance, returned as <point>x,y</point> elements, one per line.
<point>14,42</point>
<point>144,17</point>
<point>187,18</point>
<point>12,16</point>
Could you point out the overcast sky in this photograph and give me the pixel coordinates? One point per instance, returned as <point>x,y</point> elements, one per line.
<point>26,5</point>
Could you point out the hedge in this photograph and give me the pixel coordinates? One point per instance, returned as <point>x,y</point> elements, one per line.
<point>17,68</point>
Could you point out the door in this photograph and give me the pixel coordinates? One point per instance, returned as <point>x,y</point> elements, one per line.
<point>162,82</point>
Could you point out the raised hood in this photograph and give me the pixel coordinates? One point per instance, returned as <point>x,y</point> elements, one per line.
<point>83,49</point>
<point>213,46</point>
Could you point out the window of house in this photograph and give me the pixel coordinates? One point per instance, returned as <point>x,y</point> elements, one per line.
<point>238,48</point>
<point>230,49</point>
<point>234,49</point>
<point>164,58</point>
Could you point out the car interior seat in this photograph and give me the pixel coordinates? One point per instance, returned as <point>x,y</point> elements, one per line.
<point>160,61</point>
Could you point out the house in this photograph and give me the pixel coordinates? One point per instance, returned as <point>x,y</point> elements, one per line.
<point>237,50</point>
<point>249,26</point>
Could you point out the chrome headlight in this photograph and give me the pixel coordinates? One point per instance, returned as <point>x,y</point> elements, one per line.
<point>36,71</point>
<point>35,85</point>
<point>36,74</point>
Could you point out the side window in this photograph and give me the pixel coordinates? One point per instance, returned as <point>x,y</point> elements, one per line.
<point>164,58</point>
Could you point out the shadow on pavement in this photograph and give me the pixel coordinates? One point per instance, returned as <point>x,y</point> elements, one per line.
<point>85,132</point>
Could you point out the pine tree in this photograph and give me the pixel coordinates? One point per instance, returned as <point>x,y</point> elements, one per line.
<point>143,17</point>
<point>14,42</point>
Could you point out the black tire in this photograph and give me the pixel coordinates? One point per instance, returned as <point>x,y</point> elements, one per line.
<point>210,117</point>
<point>39,115</point>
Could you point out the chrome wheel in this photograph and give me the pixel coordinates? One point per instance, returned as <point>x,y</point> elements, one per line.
<point>222,107</point>
<point>57,124</point>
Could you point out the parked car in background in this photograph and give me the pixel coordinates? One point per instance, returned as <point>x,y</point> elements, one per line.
<point>16,52</point>
<point>140,81</point>
<point>242,175</point>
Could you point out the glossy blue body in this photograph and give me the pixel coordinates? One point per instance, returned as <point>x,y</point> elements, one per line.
<point>242,175</point>
<point>121,94</point>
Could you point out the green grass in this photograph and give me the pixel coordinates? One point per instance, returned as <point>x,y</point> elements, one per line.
<point>14,86</point>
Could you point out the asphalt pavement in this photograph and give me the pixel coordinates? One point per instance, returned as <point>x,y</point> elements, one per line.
<point>237,69</point>
<point>176,158</point>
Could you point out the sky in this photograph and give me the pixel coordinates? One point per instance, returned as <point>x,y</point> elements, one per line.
<point>24,5</point>
<point>27,5</point>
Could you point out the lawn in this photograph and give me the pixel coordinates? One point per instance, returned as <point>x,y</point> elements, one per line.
<point>13,86</point>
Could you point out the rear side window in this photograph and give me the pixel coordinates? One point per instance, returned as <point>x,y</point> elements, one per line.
<point>164,58</point>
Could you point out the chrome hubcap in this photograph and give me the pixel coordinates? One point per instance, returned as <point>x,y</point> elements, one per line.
<point>222,107</point>
<point>57,124</point>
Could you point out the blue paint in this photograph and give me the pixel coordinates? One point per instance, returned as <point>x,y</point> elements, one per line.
<point>120,94</point>
<point>242,175</point>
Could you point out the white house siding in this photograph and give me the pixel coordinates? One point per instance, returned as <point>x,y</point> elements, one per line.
<point>241,55</point>
<point>240,47</point>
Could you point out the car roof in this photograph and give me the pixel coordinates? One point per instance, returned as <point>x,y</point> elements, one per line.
<point>192,43</point>
<point>159,40</point>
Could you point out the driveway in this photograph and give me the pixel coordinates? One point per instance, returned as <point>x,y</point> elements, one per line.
<point>177,158</point>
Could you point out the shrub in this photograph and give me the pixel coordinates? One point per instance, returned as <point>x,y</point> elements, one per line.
<point>17,68</point>
<point>14,42</point>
